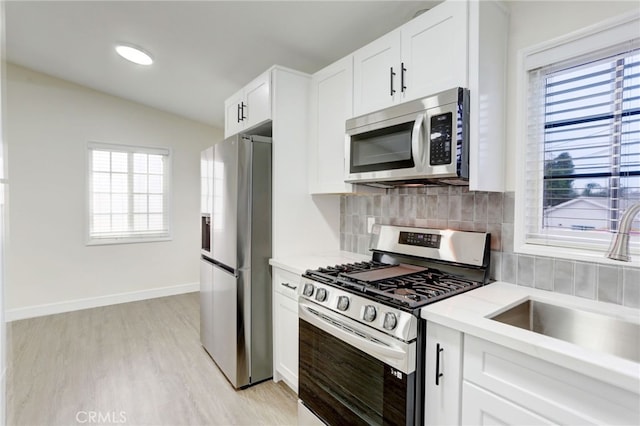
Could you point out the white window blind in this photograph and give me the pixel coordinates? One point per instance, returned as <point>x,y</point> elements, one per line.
<point>582,153</point>
<point>128,193</point>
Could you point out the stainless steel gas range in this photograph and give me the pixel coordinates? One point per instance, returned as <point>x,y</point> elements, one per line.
<point>361,338</point>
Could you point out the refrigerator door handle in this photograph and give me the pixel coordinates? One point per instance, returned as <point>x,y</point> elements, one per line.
<point>225,268</point>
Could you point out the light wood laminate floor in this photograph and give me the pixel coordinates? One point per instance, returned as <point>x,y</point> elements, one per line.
<point>138,363</point>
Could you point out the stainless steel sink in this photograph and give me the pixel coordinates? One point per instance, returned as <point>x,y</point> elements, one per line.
<point>587,329</point>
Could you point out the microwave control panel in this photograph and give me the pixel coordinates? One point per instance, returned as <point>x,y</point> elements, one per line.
<point>440,139</point>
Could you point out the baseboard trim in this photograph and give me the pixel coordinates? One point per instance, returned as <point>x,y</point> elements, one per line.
<point>94,302</point>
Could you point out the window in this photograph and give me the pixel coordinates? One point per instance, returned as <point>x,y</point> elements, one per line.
<point>580,155</point>
<point>128,194</point>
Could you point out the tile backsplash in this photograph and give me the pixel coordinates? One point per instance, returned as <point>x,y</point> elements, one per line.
<point>456,207</point>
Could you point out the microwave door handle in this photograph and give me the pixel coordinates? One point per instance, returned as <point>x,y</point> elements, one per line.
<point>417,136</point>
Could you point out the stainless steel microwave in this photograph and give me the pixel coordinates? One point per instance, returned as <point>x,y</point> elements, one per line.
<point>418,142</point>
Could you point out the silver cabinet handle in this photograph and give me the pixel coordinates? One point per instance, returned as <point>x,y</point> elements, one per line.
<point>287,285</point>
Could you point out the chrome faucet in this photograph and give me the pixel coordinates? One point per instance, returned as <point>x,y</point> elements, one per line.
<point>619,249</point>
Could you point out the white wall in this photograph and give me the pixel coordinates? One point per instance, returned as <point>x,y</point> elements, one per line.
<point>48,123</point>
<point>534,22</point>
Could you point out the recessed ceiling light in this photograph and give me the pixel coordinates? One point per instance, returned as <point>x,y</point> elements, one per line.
<point>134,54</point>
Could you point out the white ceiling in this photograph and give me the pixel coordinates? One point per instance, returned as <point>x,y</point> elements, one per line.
<point>204,51</point>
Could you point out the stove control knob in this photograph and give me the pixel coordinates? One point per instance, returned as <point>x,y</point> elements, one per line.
<point>321,295</point>
<point>369,313</point>
<point>390,321</point>
<point>308,289</point>
<point>343,303</point>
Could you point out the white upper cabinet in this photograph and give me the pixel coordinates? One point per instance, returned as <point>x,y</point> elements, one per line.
<point>232,120</point>
<point>487,58</point>
<point>434,51</point>
<point>425,56</point>
<point>248,107</point>
<point>257,101</point>
<point>376,68</point>
<point>330,105</point>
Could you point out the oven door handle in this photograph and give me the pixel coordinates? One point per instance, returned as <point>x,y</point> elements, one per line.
<point>389,350</point>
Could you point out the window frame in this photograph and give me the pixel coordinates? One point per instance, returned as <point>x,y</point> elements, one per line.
<point>600,36</point>
<point>167,193</point>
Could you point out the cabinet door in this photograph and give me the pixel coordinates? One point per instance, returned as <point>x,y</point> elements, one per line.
<point>443,375</point>
<point>232,120</point>
<point>257,101</point>
<point>485,408</point>
<point>285,327</point>
<point>375,86</point>
<point>331,104</point>
<point>286,339</point>
<point>548,390</point>
<point>434,50</point>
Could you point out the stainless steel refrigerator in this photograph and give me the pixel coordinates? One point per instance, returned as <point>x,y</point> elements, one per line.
<point>235,304</point>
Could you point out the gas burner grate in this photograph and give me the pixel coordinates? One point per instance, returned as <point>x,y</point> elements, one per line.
<point>349,268</point>
<point>430,279</point>
<point>406,292</point>
<point>333,271</point>
<point>420,288</point>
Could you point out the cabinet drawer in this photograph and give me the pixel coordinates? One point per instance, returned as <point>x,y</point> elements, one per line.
<point>547,390</point>
<point>286,283</point>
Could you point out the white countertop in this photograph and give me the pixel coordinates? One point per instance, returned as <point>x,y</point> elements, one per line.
<point>468,313</point>
<point>299,264</point>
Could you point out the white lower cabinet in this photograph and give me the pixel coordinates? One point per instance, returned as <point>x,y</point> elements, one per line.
<point>443,375</point>
<point>285,327</point>
<point>523,389</point>
<point>483,383</point>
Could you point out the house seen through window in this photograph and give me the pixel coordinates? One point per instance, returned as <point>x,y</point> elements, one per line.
<point>583,147</point>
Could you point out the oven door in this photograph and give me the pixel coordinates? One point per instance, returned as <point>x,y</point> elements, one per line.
<point>352,374</point>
